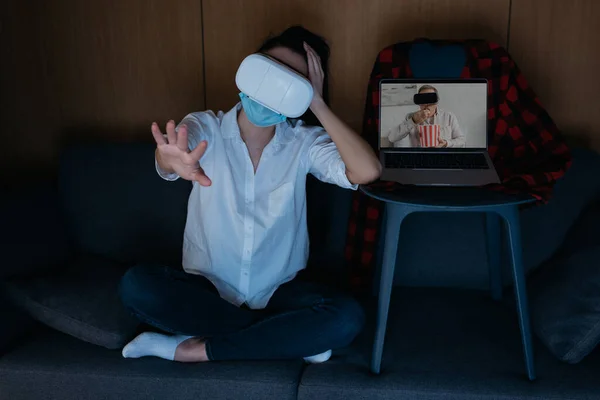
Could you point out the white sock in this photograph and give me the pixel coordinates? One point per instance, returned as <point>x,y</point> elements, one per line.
<point>318,358</point>
<point>153,344</point>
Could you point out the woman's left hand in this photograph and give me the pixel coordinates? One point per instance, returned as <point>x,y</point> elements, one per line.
<point>315,75</point>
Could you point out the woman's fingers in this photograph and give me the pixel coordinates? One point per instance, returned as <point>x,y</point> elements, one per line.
<point>309,62</point>
<point>315,71</point>
<point>309,59</point>
<point>307,47</point>
<point>200,177</point>
<point>198,152</point>
<point>171,135</point>
<point>182,138</point>
<point>312,62</point>
<point>158,136</point>
<point>316,60</point>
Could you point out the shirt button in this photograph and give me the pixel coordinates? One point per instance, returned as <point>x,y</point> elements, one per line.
<point>245,273</point>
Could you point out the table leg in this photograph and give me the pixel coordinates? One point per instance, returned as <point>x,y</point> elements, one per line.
<point>395,214</point>
<point>514,233</point>
<point>493,247</point>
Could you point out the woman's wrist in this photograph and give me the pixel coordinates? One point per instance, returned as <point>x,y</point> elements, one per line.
<point>318,105</point>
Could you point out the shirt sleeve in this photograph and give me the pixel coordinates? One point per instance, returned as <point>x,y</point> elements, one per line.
<point>196,133</point>
<point>325,162</point>
<point>407,127</point>
<point>457,136</point>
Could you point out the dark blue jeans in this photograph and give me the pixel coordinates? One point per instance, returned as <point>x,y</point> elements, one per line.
<point>301,319</point>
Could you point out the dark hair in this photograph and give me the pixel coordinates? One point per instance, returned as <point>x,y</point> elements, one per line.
<point>293,38</point>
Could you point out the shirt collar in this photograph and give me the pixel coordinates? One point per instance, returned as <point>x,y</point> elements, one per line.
<point>284,132</point>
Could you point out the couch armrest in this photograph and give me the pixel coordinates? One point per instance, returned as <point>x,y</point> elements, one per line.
<point>544,228</point>
<point>35,236</point>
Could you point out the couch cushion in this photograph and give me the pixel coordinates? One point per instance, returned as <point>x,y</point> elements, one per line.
<point>82,302</point>
<point>565,293</point>
<point>546,227</point>
<point>448,344</point>
<point>15,324</point>
<point>35,238</point>
<point>56,366</point>
<point>565,304</point>
<point>119,208</point>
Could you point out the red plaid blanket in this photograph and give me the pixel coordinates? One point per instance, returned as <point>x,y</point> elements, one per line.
<point>526,147</point>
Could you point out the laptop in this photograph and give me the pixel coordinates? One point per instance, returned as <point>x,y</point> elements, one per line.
<point>434,132</point>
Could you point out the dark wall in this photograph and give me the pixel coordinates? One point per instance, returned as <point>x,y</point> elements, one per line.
<point>88,69</point>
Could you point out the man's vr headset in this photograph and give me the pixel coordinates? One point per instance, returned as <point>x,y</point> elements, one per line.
<point>425,98</point>
<point>274,85</point>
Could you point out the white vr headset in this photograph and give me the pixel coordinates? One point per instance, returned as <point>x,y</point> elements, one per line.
<point>274,85</point>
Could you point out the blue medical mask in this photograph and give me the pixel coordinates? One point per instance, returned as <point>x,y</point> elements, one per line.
<point>260,115</point>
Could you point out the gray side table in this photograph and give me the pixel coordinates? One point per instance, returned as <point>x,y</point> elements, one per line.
<point>498,207</point>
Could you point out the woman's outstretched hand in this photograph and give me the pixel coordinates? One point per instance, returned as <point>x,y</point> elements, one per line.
<point>173,154</point>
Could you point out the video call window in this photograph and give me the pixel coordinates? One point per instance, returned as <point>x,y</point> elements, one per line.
<point>433,115</point>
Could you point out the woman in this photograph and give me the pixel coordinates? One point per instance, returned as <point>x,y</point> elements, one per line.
<point>246,236</point>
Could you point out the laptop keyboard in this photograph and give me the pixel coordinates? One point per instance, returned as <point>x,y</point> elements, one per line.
<point>436,160</point>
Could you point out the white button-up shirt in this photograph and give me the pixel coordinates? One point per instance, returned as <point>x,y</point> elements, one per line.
<point>247,232</point>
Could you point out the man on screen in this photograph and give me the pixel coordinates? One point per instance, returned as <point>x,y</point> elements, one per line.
<point>429,122</point>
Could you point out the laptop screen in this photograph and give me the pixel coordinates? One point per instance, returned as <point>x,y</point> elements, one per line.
<point>433,115</point>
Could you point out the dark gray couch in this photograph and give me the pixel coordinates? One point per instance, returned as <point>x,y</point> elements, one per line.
<point>446,339</point>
